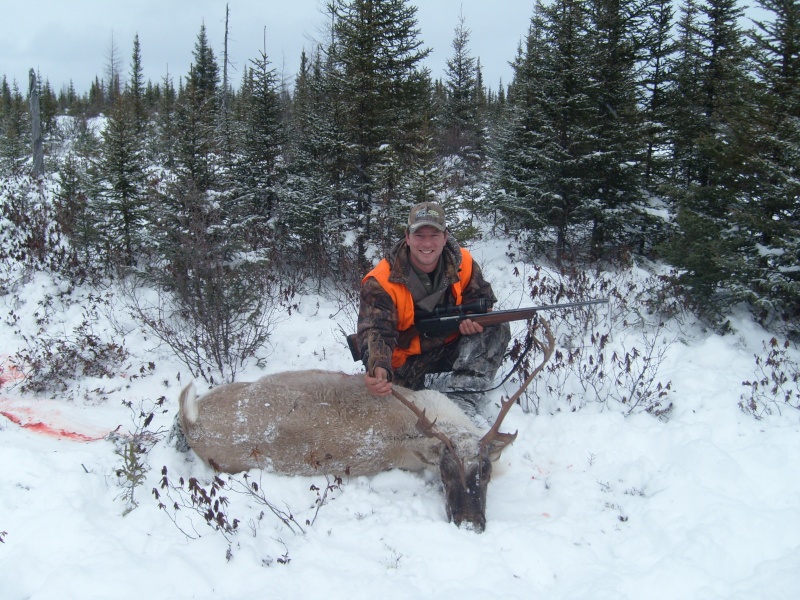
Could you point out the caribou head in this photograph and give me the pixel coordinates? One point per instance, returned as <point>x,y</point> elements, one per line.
<point>321,422</point>
<point>465,470</point>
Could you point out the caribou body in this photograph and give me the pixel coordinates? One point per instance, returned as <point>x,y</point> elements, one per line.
<point>312,422</point>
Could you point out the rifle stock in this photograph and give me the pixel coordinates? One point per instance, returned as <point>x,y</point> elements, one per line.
<point>447,324</point>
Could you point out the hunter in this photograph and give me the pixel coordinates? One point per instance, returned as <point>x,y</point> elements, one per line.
<point>426,270</point>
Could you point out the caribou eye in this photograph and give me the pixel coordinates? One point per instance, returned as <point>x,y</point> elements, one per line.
<point>449,466</point>
<point>486,468</point>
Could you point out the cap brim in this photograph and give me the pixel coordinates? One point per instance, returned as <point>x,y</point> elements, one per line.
<point>419,224</point>
<point>415,226</point>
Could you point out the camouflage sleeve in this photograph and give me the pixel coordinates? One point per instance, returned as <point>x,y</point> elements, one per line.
<point>478,287</point>
<point>377,326</point>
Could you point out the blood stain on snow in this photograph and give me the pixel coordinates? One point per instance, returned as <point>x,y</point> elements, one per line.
<point>9,371</point>
<point>44,428</point>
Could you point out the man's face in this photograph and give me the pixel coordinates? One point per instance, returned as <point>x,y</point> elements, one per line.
<point>426,245</point>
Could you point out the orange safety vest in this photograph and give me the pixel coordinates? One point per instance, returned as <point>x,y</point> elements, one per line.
<point>404,302</point>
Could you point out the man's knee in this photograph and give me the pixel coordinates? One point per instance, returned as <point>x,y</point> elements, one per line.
<point>498,337</point>
<point>483,352</point>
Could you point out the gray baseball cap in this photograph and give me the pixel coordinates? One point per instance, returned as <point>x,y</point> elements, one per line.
<point>427,214</point>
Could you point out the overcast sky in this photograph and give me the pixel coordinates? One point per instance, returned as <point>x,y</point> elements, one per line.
<point>71,39</point>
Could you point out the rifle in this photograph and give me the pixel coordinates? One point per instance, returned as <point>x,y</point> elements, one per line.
<point>446,320</point>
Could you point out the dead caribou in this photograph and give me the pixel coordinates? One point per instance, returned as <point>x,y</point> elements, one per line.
<point>312,422</point>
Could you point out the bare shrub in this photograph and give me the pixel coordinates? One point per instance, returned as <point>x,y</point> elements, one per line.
<point>216,329</point>
<point>212,501</point>
<point>57,354</point>
<point>211,293</point>
<point>610,354</point>
<point>332,272</point>
<point>133,448</point>
<point>30,237</point>
<point>630,374</point>
<point>207,502</point>
<point>776,384</point>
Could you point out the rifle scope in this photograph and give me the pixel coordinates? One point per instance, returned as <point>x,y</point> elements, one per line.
<point>476,306</point>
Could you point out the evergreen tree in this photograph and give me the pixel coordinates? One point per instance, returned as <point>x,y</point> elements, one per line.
<point>771,215</point>
<point>257,169</point>
<point>654,83</point>
<point>710,121</point>
<point>97,100</point>
<point>379,77</point>
<point>120,206</point>
<point>74,218</point>
<point>14,129</point>
<point>135,89</point>
<point>315,205</point>
<point>462,130</point>
<point>48,105</point>
<point>548,148</point>
<point>514,172</point>
<point>68,101</point>
<point>616,37</point>
<point>204,75</point>
<point>195,158</point>
<point>196,117</point>
<point>196,120</point>
<point>685,98</point>
<point>165,125</point>
<point>461,136</point>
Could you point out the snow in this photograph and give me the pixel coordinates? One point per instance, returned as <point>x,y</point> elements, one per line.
<point>587,503</point>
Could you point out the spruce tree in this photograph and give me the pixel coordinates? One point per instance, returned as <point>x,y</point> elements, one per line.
<point>48,103</point>
<point>135,89</point>
<point>72,211</point>
<point>97,101</point>
<point>120,206</point>
<point>462,130</point>
<point>164,125</point>
<point>710,121</point>
<point>654,82</point>
<point>315,206</point>
<point>548,147</point>
<point>380,79</point>
<point>204,74</point>
<point>771,215</point>
<point>256,169</point>
<point>616,31</point>
<point>14,130</point>
<point>196,157</point>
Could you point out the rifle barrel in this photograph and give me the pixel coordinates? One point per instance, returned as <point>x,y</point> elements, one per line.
<point>449,323</point>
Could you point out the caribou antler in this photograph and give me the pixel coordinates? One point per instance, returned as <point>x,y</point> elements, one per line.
<point>505,405</point>
<point>428,428</point>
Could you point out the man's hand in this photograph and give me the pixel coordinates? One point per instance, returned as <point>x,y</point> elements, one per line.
<point>378,383</point>
<point>469,327</point>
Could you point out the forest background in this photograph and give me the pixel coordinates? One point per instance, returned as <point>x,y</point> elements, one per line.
<point>631,131</point>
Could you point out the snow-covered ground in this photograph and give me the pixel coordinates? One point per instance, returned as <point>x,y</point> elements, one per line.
<point>585,504</point>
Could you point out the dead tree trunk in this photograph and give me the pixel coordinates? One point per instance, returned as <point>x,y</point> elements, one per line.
<point>225,66</point>
<point>36,127</point>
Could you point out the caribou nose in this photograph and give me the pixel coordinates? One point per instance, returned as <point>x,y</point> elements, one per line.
<point>478,525</point>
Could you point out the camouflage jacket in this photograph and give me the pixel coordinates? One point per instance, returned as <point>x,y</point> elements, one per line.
<point>377,318</point>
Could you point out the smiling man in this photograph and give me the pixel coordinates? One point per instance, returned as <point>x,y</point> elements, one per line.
<point>427,270</point>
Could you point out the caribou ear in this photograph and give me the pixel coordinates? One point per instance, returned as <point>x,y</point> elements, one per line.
<point>424,459</point>
<point>495,447</point>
